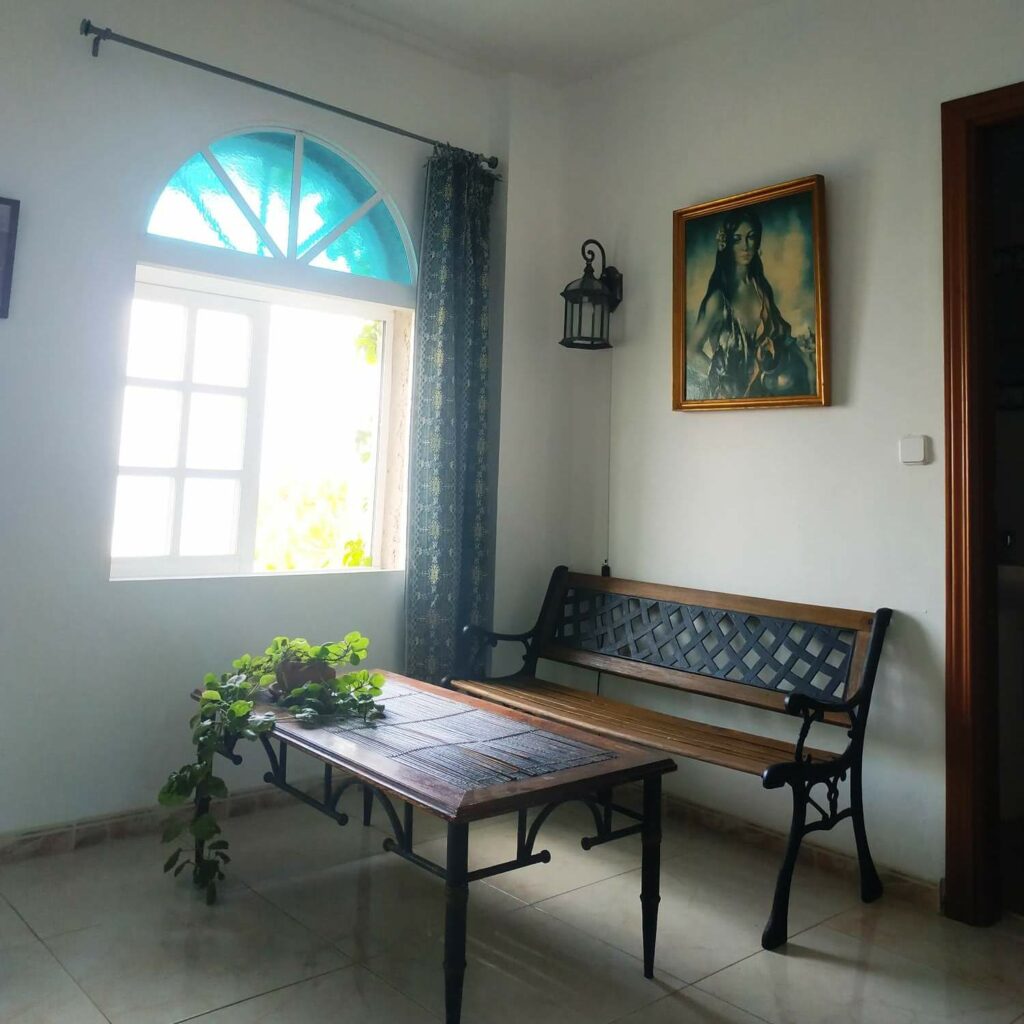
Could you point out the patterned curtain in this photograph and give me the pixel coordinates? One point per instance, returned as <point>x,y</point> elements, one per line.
<point>449,575</point>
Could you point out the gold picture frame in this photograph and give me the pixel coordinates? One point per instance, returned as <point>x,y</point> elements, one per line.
<point>750,343</point>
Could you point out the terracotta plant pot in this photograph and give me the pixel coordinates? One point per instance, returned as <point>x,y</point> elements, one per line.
<point>292,674</point>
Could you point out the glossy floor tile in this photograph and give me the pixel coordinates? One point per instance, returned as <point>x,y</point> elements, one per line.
<point>351,995</point>
<point>190,959</point>
<point>715,899</point>
<point>77,890</point>
<point>827,977</point>
<point>13,930</point>
<point>367,906</point>
<point>690,1006</point>
<point>35,989</point>
<point>317,924</point>
<point>531,968</point>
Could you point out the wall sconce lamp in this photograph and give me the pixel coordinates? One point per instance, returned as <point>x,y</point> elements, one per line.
<point>589,301</point>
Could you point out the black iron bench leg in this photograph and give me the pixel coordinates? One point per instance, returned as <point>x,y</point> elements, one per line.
<point>367,805</point>
<point>777,930</point>
<point>650,871</point>
<point>870,883</point>
<point>456,901</point>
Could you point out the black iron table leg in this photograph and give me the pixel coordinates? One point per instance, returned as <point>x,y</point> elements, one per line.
<point>650,871</point>
<point>456,902</point>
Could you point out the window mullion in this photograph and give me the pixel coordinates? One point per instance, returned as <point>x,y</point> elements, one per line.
<point>356,215</point>
<point>248,503</point>
<point>232,189</point>
<point>296,198</point>
<point>186,409</point>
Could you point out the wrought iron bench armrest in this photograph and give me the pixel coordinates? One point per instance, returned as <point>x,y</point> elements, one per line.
<point>472,642</point>
<point>803,704</point>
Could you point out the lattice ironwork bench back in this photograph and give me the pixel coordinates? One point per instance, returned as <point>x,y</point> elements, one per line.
<point>744,649</point>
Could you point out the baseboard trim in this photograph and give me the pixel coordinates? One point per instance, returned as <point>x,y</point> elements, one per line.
<point>78,835</point>
<point>921,893</point>
<point>88,832</point>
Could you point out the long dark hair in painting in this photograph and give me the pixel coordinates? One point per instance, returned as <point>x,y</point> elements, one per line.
<point>724,278</point>
<point>761,362</point>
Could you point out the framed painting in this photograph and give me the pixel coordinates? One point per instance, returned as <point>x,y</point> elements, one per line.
<point>750,304</point>
<point>8,234</point>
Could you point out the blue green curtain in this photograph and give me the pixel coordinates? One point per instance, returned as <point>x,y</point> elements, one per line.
<point>449,570</point>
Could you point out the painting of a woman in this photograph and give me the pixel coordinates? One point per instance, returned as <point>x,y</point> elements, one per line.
<point>748,302</point>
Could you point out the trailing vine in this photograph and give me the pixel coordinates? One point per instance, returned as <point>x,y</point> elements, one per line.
<point>292,673</point>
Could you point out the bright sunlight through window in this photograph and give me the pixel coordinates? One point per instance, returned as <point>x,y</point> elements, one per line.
<point>262,431</point>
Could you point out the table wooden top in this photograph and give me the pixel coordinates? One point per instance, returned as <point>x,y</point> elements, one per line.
<point>462,758</point>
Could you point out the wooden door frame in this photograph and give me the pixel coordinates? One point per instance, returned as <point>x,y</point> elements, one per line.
<point>971,890</point>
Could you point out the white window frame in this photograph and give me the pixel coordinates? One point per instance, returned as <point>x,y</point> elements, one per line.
<point>195,291</point>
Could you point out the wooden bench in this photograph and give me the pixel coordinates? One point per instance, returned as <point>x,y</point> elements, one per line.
<point>816,664</point>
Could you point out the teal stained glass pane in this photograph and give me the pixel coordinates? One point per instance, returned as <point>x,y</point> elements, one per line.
<point>196,207</point>
<point>259,165</point>
<point>332,189</point>
<point>372,247</point>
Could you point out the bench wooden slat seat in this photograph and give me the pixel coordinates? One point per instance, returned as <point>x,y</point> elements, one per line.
<point>812,663</point>
<point>729,748</point>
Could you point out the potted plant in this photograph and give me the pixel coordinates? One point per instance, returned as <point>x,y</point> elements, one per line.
<point>291,673</point>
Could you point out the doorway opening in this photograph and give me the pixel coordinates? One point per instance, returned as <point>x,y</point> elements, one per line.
<point>983,225</point>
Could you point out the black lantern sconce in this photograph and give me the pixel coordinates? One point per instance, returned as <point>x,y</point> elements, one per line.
<point>590,301</point>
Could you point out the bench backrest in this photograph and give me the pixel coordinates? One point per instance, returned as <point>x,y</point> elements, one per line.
<point>744,649</point>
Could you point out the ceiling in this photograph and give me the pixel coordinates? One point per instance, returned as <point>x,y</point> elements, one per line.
<point>558,40</point>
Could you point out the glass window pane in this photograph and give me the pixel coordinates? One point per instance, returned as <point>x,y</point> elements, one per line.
<point>222,348</point>
<point>209,517</point>
<point>156,343</point>
<point>331,189</point>
<point>372,247</point>
<point>216,432</point>
<point>142,516</point>
<point>259,165</point>
<point>318,469</point>
<point>196,207</point>
<point>150,427</point>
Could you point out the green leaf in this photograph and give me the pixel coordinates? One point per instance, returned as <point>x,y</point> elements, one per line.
<point>218,844</point>
<point>204,827</point>
<point>172,860</point>
<point>240,708</point>
<point>181,867</point>
<point>209,695</point>
<point>216,787</point>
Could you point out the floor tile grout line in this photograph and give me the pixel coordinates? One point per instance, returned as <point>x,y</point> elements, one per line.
<point>74,981</point>
<point>314,932</point>
<point>686,988</point>
<point>405,995</point>
<point>60,963</point>
<point>577,888</point>
<point>260,995</point>
<point>604,942</point>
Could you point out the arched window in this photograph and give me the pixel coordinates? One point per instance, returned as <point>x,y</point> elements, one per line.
<point>265,415</point>
<point>282,195</point>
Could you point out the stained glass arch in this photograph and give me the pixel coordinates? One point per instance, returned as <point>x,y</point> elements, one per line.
<point>283,195</point>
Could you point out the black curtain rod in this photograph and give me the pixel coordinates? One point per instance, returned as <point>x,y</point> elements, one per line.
<point>87,28</point>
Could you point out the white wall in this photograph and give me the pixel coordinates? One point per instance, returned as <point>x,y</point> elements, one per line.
<point>804,504</point>
<point>94,675</point>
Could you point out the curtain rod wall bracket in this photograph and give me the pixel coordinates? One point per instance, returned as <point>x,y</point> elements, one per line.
<point>87,28</point>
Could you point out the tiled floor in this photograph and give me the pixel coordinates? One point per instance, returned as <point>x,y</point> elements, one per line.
<point>318,926</point>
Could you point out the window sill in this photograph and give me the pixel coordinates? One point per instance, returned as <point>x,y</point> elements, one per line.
<point>355,571</point>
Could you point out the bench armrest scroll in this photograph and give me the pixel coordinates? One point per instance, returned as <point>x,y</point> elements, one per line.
<point>473,644</point>
<point>802,705</point>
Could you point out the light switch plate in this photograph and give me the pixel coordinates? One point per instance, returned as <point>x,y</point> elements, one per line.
<point>914,450</point>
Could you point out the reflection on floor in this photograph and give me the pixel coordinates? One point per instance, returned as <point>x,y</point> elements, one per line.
<point>319,926</point>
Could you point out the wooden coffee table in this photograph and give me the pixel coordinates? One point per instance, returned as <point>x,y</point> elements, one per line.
<point>463,760</point>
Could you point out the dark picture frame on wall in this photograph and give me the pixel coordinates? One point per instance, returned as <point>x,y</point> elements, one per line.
<point>8,236</point>
<point>750,301</point>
